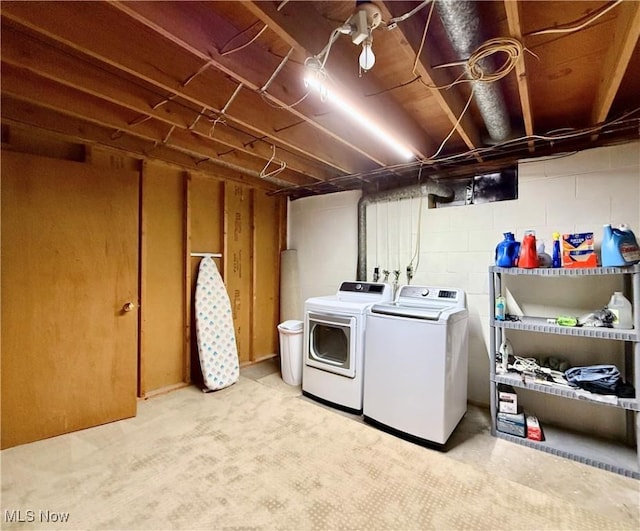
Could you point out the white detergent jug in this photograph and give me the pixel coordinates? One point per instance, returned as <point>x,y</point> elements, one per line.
<point>621,309</point>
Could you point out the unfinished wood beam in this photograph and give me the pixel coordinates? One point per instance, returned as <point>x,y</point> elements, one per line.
<point>450,101</point>
<point>21,50</point>
<point>26,86</point>
<point>110,41</point>
<point>304,29</point>
<point>512,9</point>
<point>619,53</point>
<point>252,66</point>
<point>186,233</point>
<point>25,114</point>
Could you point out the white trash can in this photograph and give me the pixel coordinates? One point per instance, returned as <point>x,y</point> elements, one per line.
<point>291,333</point>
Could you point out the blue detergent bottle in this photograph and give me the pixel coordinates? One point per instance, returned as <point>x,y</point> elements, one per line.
<point>619,247</point>
<point>507,251</point>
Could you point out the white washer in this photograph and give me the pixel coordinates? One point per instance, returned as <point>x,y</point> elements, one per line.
<point>334,328</point>
<point>415,376</point>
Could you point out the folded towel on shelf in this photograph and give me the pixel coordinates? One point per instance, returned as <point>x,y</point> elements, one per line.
<point>604,376</point>
<point>600,379</point>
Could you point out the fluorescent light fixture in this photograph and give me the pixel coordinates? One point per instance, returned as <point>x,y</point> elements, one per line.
<point>329,95</point>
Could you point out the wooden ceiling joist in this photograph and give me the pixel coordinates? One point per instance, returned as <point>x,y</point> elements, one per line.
<point>308,31</point>
<point>219,84</point>
<point>253,70</point>
<point>625,39</point>
<point>30,54</point>
<point>26,86</point>
<point>27,115</point>
<point>110,44</point>
<point>449,101</point>
<point>515,29</point>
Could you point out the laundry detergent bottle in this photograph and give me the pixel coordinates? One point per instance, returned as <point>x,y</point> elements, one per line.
<point>544,258</point>
<point>622,310</point>
<point>507,251</point>
<point>528,257</point>
<point>619,247</point>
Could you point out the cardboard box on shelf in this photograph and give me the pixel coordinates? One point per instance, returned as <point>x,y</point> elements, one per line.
<point>507,399</point>
<point>534,431</point>
<point>577,250</point>
<point>512,423</point>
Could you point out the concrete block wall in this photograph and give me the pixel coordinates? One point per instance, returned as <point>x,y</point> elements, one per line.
<point>324,231</point>
<point>576,192</point>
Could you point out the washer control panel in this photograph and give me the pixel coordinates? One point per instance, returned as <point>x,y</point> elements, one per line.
<point>430,294</point>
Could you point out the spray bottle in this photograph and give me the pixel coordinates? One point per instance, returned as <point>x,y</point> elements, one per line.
<point>556,260</point>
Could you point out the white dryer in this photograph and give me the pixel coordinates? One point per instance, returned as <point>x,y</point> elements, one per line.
<point>415,374</point>
<point>334,328</point>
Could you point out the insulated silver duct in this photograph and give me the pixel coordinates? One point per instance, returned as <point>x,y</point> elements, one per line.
<point>425,189</point>
<point>462,23</point>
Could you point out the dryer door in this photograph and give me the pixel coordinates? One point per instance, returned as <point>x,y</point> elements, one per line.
<point>331,343</point>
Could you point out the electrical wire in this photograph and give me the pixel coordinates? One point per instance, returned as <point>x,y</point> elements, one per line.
<point>322,57</point>
<point>285,107</point>
<point>242,46</point>
<point>388,239</point>
<point>455,126</point>
<point>506,45</point>
<point>424,36</point>
<point>572,29</point>
<point>511,47</point>
<point>526,139</point>
<point>577,133</point>
<point>500,148</point>
<point>383,91</point>
<point>399,219</point>
<point>377,235</point>
<point>525,364</point>
<point>416,253</point>
<point>394,21</point>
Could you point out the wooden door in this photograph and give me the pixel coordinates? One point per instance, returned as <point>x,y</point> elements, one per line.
<point>69,266</point>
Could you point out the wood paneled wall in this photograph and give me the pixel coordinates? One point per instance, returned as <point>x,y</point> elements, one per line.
<point>182,212</point>
<point>246,226</point>
<point>204,221</point>
<point>268,240</point>
<point>162,302</point>
<point>238,261</point>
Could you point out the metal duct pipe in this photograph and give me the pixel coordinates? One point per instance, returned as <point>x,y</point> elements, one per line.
<point>430,188</point>
<point>462,24</point>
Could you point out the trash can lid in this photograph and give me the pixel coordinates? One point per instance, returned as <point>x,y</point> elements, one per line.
<point>292,325</point>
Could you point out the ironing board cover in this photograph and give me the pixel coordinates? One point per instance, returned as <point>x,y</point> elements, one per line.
<point>214,329</point>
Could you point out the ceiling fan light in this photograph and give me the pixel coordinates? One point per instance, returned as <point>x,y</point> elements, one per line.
<point>367,58</point>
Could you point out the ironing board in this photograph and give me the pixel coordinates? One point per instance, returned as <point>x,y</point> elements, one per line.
<point>215,334</point>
